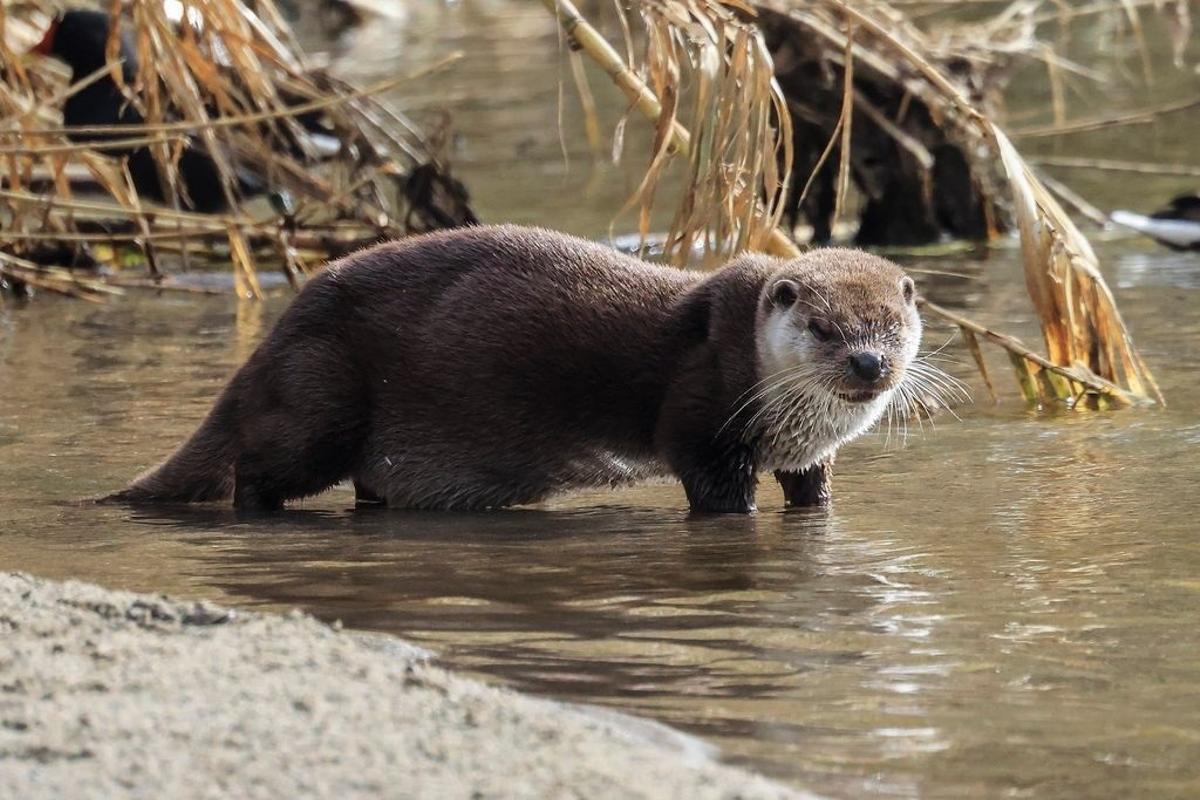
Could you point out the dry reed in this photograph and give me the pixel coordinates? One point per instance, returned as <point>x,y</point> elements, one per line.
<point>734,153</point>
<point>226,77</point>
<point>1090,354</point>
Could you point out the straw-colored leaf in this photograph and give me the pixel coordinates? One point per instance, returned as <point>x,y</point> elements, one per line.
<point>730,196</point>
<point>228,79</point>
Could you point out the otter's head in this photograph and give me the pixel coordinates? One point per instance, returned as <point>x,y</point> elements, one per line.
<point>842,323</point>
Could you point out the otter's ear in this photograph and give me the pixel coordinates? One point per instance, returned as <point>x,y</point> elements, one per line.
<point>909,288</point>
<point>784,293</point>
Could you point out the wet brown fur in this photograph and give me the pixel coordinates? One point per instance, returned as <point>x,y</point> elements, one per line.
<point>487,367</point>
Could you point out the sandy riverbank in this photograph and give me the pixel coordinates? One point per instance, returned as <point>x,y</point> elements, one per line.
<point>115,695</point>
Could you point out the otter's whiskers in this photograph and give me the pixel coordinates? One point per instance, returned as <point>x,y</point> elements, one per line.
<point>923,388</point>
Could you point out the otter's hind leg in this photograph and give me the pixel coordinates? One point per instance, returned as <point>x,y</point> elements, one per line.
<point>283,469</point>
<point>366,496</point>
<point>301,423</point>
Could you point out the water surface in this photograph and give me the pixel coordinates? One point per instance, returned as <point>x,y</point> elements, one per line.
<point>1006,605</point>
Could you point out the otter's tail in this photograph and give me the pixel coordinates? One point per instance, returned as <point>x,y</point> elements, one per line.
<point>201,469</point>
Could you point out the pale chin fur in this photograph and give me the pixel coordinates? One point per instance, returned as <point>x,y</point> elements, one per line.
<point>804,423</point>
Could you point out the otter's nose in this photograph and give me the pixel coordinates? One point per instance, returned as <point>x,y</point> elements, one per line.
<point>867,366</point>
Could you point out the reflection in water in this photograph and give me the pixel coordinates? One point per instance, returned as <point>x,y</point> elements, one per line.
<point>993,608</point>
<point>1007,605</point>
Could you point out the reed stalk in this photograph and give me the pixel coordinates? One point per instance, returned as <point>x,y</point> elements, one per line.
<point>1090,353</point>
<point>228,80</point>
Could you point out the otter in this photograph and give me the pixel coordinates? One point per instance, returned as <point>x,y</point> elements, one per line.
<point>494,366</point>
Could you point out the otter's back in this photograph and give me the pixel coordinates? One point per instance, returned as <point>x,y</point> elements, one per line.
<point>484,326</point>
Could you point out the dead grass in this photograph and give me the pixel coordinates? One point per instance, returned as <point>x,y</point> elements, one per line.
<point>736,161</point>
<point>233,82</point>
<point>1090,358</point>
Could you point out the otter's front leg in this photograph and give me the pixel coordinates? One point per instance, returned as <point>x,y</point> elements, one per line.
<point>715,465</point>
<point>716,480</point>
<point>809,487</point>
<point>720,490</point>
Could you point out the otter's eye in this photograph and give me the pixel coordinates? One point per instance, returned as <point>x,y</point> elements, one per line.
<point>821,330</point>
<point>909,288</point>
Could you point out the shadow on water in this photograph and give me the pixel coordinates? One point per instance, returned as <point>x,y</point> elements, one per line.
<point>578,601</point>
<point>521,571</point>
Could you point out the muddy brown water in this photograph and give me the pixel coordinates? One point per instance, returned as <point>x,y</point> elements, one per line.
<point>1004,606</point>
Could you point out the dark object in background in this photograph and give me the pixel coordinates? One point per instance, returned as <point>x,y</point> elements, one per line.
<point>72,255</point>
<point>1177,226</point>
<point>339,16</point>
<point>69,255</point>
<point>435,200</point>
<point>16,288</point>
<point>905,202</point>
<point>78,38</point>
<point>245,76</point>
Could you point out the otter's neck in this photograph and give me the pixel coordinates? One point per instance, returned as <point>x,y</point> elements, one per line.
<point>796,424</point>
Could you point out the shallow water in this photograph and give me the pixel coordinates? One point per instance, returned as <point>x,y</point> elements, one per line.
<point>1005,605</point>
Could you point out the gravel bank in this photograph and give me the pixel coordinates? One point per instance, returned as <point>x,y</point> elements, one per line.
<point>118,695</point>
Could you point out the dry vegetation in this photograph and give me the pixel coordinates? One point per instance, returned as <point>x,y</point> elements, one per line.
<point>227,76</point>
<point>777,110</point>
<point>1090,358</point>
